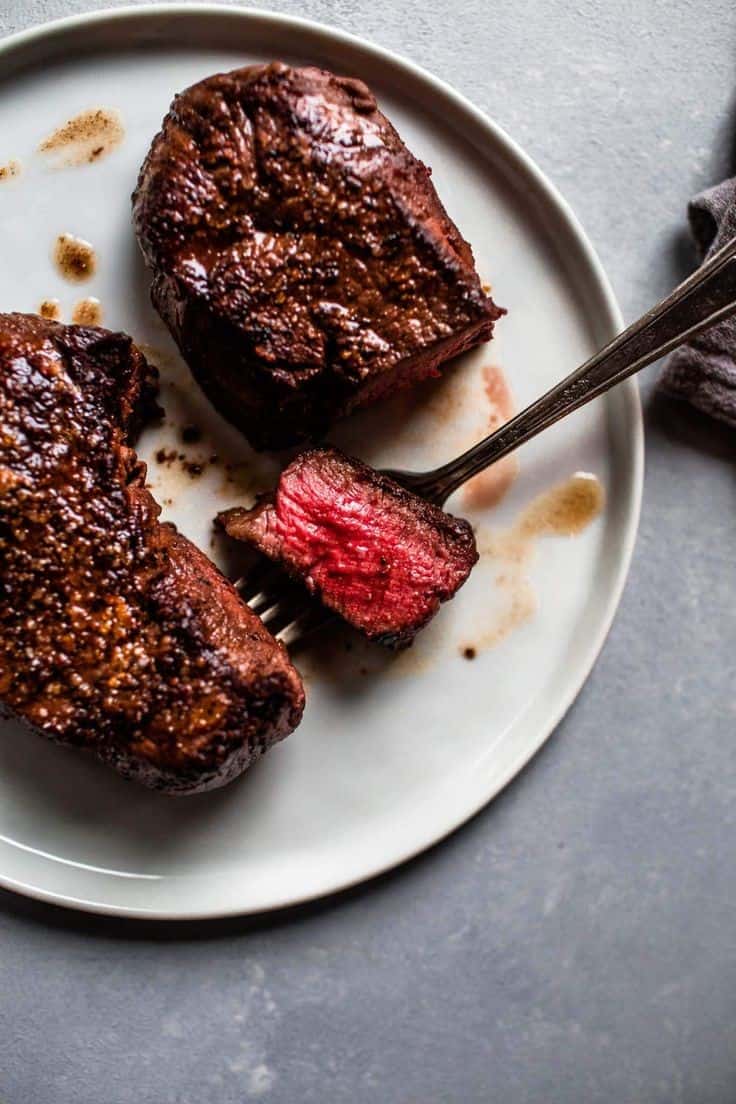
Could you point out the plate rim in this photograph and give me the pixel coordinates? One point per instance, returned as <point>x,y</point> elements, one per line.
<point>631,409</point>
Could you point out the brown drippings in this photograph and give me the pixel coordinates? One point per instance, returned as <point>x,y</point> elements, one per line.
<point>75,258</point>
<point>87,137</point>
<point>10,170</point>
<point>190,434</point>
<point>469,653</point>
<point>87,312</point>
<point>166,457</point>
<point>193,468</point>
<point>563,511</point>
<point>520,607</point>
<point>488,487</point>
<point>51,309</point>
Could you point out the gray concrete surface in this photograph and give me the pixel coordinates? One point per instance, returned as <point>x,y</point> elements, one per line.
<point>576,943</point>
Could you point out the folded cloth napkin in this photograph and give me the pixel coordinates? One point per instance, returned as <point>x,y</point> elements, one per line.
<point>704,371</point>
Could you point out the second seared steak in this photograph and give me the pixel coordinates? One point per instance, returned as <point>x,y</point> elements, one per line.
<point>117,635</point>
<point>301,255</point>
<point>381,557</point>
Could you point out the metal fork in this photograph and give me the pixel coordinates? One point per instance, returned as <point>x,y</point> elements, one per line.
<point>706,297</point>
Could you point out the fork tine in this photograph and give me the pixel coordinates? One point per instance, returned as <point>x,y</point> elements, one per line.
<point>264,601</point>
<point>273,595</point>
<point>312,619</point>
<point>262,577</point>
<point>284,606</point>
<point>288,607</point>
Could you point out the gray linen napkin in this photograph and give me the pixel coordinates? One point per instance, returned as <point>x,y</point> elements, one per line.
<point>704,371</point>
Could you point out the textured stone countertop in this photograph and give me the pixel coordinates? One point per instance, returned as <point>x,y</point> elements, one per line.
<point>576,942</point>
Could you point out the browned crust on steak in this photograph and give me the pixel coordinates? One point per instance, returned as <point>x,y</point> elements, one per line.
<point>117,635</point>
<point>301,256</point>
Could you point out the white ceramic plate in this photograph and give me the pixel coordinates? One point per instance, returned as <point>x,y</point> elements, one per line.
<point>392,755</point>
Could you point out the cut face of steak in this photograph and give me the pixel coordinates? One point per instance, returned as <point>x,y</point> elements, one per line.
<point>378,555</point>
<point>116,634</point>
<point>301,256</point>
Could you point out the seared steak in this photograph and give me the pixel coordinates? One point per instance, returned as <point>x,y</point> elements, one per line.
<point>378,555</point>
<point>116,634</point>
<point>301,256</point>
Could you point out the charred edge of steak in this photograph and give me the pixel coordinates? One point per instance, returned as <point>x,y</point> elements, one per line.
<point>117,635</point>
<point>378,555</point>
<point>301,256</point>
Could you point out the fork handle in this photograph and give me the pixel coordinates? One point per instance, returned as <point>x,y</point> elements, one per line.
<point>705,298</point>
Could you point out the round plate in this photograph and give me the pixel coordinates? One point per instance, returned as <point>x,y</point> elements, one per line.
<point>394,752</point>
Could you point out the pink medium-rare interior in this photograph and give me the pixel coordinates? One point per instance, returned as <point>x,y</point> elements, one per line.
<point>367,553</point>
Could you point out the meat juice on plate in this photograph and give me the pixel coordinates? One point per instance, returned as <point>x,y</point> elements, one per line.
<point>87,137</point>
